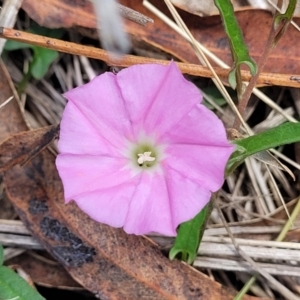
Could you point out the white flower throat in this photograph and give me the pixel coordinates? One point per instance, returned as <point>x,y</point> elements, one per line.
<point>144,154</point>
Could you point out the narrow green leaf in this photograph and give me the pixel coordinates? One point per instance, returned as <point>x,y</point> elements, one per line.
<point>189,236</point>
<point>281,135</point>
<point>1,255</point>
<point>14,45</point>
<point>42,60</point>
<point>12,286</point>
<point>238,47</point>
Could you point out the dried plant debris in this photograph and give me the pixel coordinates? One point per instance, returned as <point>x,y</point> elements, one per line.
<point>255,200</point>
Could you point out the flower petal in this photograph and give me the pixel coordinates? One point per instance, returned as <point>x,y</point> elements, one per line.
<point>187,196</point>
<point>79,136</point>
<point>202,164</point>
<point>199,126</point>
<point>101,102</point>
<point>198,148</point>
<point>84,173</point>
<point>108,206</point>
<point>156,96</point>
<point>149,210</point>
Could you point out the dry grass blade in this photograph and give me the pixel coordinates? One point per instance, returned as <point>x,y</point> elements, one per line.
<point>8,15</point>
<point>212,250</point>
<point>12,252</point>
<point>7,101</point>
<point>242,266</point>
<point>274,283</point>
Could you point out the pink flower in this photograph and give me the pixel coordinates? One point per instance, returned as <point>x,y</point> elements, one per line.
<point>139,151</point>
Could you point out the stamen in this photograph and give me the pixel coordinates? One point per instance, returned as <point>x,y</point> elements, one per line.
<point>145,157</point>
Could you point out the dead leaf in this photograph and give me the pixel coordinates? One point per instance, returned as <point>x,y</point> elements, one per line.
<point>22,147</point>
<point>7,210</point>
<point>202,8</point>
<point>45,273</point>
<point>197,7</point>
<point>104,260</point>
<point>209,31</point>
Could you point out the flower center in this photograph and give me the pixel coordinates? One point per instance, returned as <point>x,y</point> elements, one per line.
<point>145,155</point>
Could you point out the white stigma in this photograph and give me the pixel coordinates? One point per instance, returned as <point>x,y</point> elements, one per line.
<point>145,157</point>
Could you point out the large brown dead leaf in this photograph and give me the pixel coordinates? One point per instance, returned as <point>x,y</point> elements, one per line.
<point>209,31</point>
<point>104,260</point>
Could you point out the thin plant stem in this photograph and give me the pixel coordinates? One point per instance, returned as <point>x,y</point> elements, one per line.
<point>245,288</point>
<point>243,101</point>
<point>289,222</point>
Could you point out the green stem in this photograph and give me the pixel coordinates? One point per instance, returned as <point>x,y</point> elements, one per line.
<point>245,288</point>
<point>22,85</point>
<point>289,222</point>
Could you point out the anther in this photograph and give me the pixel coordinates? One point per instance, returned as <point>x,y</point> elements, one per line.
<point>145,157</point>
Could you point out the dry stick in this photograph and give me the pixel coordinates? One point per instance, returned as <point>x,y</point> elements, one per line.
<point>133,15</point>
<point>243,102</point>
<point>129,60</point>
<point>275,283</point>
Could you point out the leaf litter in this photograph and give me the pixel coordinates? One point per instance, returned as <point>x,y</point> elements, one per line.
<point>252,209</point>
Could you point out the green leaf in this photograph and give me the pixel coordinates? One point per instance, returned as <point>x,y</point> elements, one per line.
<point>36,29</point>
<point>14,45</point>
<point>12,286</point>
<point>189,236</point>
<point>238,47</point>
<point>281,135</point>
<point>1,255</point>
<point>42,60</point>
<point>214,94</point>
<point>42,57</point>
